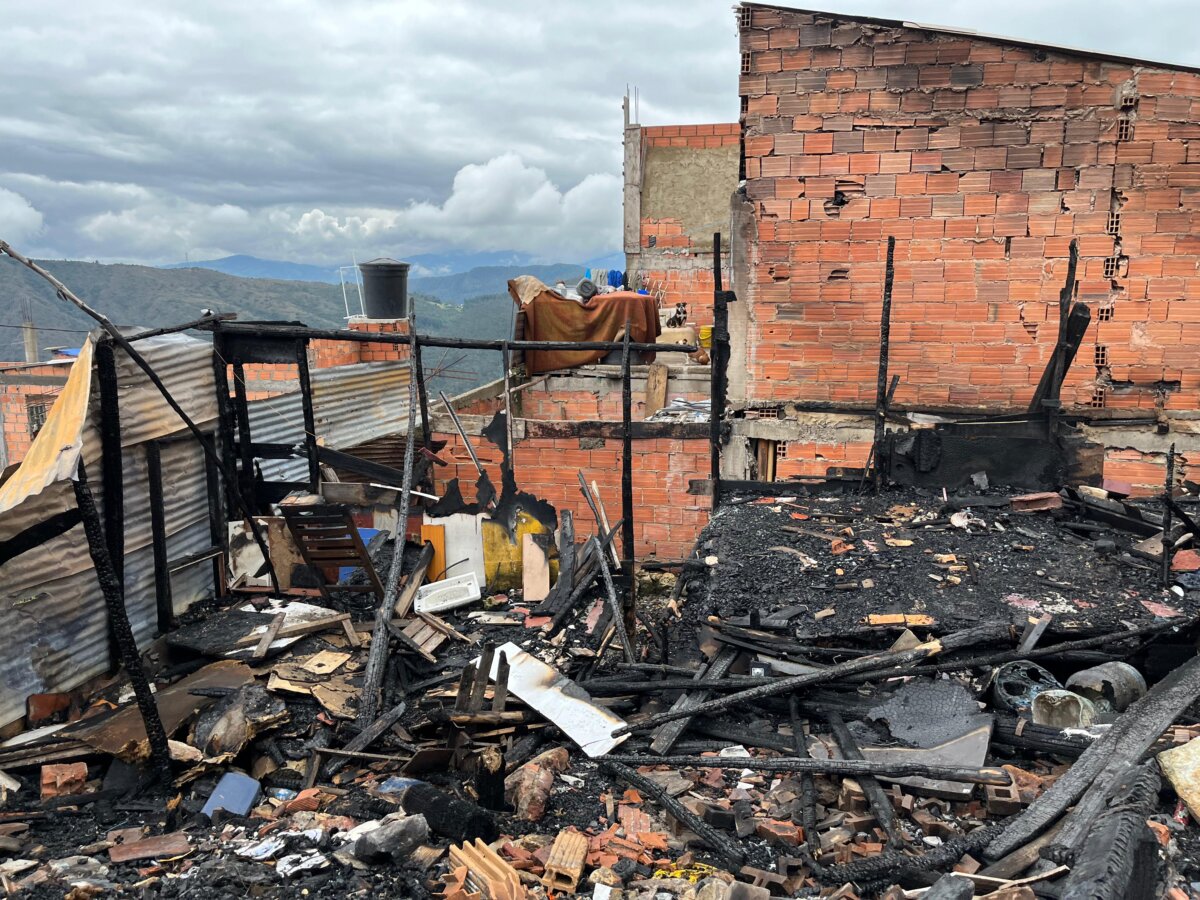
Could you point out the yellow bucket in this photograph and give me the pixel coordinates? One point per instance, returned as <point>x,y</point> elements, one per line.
<point>706,336</point>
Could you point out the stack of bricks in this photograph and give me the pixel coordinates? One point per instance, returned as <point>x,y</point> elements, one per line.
<point>327,354</point>
<point>984,159</point>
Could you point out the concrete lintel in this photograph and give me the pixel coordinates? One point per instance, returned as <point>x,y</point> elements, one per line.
<point>34,380</point>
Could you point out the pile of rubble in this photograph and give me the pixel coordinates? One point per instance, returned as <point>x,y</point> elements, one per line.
<point>899,695</point>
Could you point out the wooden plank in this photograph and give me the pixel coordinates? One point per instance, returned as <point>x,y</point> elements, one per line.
<point>535,570</point>
<point>436,535</point>
<point>656,387</point>
<point>269,636</point>
<point>298,629</point>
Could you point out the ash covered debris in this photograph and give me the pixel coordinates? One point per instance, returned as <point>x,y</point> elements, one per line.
<point>823,739</point>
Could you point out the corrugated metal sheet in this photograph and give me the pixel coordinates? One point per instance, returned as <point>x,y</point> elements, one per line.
<point>351,404</point>
<point>51,608</point>
<point>50,601</point>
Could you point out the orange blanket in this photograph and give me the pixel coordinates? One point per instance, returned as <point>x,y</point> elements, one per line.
<point>549,317</point>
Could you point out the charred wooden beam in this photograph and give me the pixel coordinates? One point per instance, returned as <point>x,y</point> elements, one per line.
<point>626,616</point>
<point>112,483</point>
<point>122,630</point>
<point>378,653</point>
<point>1119,859</point>
<point>310,416</point>
<point>272,330</point>
<point>719,363</point>
<point>881,806</point>
<point>36,535</point>
<point>158,538</point>
<point>666,735</point>
<point>887,661</point>
<point>852,768</point>
<point>881,391</point>
<point>808,786</point>
<point>367,736</point>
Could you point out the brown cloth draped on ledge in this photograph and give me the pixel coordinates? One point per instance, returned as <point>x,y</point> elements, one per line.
<point>550,317</point>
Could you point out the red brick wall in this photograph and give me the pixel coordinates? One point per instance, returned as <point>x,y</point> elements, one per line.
<point>547,402</point>
<point>1146,472</point>
<point>14,405</point>
<point>983,160</point>
<point>326,354</point>
<point>667,519</point>
<point>669,263</point>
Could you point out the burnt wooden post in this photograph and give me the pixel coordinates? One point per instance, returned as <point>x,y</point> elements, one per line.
<point>112,481</point>
<point>422,393</point>
<point>881,383</point>
<point>118,618</point>
<point>217,531</point>
<point>245,448</point>
<point>1052,402</point>
<point>158,532</point>
<point>224,446</point>
<point>719,359</point>
<point>627,539</point>
<point>310,416</point>
<point>1168,496</point>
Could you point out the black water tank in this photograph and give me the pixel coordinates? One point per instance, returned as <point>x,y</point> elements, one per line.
<point>385,288</point>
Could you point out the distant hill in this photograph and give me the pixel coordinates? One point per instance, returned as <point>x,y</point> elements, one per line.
<point>424,265</point>
<point>253,267</point>
<point>155,297</point>
<point>490,280</point>
<point>451,277</point>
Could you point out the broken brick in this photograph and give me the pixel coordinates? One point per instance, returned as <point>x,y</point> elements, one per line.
<point>63,780</point>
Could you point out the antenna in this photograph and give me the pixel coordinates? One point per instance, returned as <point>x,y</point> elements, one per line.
<point>29,330</point>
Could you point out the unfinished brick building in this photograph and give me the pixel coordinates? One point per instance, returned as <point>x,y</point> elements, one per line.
<point>984,157</point>
<point>678,180</point>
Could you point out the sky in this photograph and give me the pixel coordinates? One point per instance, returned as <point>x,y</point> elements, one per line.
<point>313,131</point>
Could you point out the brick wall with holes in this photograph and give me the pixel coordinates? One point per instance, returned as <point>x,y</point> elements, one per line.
<point>671,267</point>
<point>984,160</point>
<point>1147,472</point>
<point>667,519</point>
<point>808,459</point>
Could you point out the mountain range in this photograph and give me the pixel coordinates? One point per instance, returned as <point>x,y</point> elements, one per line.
<point>427,269</point>
<point>151,297</point>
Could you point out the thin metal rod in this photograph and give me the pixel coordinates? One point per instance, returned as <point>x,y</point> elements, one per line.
<point>462,432</point>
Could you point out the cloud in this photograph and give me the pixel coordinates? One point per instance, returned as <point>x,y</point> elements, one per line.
<point>306,130</point>
<point>19,221</point>
<point>501,204</point>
